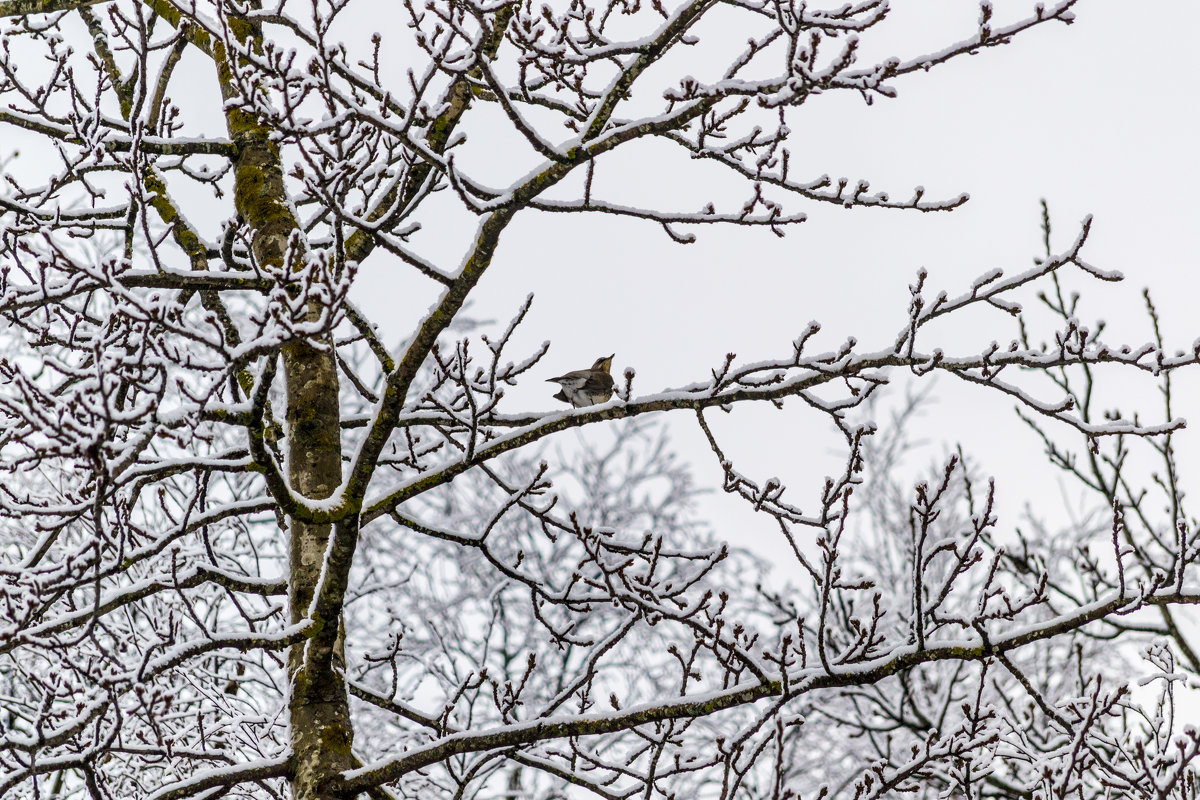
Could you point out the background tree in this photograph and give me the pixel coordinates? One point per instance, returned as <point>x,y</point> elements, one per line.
<point>358,574</point>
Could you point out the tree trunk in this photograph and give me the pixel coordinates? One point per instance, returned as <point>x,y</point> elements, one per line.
<point>321,732</point>
<point>319,705</point>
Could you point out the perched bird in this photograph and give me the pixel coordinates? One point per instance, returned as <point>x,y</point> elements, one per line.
<point>585,387</point>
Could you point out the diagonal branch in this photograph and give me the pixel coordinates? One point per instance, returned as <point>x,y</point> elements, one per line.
<point>803,682</point>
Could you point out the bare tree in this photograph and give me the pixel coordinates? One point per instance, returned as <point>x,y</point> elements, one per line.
<point>360,575</point>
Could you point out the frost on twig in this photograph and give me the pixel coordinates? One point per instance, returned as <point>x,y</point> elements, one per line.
<point>249,539</point>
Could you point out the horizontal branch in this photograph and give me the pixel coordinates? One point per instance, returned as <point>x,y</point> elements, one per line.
<point>824,189</point>
<point>802,682</point>
<point>156,145</point>
<point>16,8</point>
<point>116,600</point>
<point>68,216</point>
<point>195,281</point>
<point>817,372</point>
<point>542,764</point>
<point>36,296</point>
<point>225,777</point>
<point>698,218</point>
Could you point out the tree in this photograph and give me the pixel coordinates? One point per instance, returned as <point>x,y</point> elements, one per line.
<point>358,574</point>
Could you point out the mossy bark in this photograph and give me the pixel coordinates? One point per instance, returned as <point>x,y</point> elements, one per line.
<point>321,731</point>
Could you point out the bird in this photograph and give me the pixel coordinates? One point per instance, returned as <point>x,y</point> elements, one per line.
<point>585,387</point>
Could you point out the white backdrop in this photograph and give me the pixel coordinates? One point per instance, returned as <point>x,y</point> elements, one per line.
<point>1098,117</point>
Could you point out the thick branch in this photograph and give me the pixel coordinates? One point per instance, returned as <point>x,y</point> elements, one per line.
<point>803,682</point>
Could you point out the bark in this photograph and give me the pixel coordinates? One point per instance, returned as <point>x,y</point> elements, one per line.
<point>321,732</point>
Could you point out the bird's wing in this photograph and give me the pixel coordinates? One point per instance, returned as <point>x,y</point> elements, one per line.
<point>571,377</point>
<point>597,382</point>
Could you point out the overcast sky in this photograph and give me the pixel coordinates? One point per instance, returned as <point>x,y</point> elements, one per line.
<point>1098,117</point>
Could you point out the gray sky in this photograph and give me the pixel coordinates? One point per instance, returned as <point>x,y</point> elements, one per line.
<point>1097,117</point>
